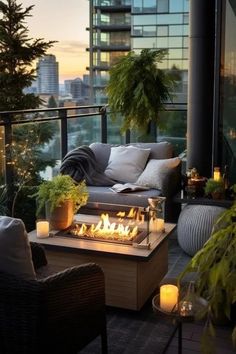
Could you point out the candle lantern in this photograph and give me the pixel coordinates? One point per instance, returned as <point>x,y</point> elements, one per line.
<point>156,214</point>
<point>42,228</point>
<point>216,174</point>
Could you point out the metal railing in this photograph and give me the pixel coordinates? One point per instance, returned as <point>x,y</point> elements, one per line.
<point>9,119</point>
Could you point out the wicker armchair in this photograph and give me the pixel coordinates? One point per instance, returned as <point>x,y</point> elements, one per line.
<point>59,314</point>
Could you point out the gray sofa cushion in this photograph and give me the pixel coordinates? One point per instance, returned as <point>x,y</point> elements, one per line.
<point>156,172</point>
<point>126,163</point>
<point>105,195</point>
<point>162,150</point>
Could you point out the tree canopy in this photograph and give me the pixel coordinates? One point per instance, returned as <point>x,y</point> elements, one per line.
<point>17,55</point>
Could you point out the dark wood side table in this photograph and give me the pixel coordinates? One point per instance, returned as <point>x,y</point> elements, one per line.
<point>183,198</point>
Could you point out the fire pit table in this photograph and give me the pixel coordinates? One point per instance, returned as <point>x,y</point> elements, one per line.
<point>133,265</point>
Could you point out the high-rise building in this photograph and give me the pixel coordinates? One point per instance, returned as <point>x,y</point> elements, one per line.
<point>110,27</point>
<point>164,24</point>
<point>48,75</point>
<point>117,26</point>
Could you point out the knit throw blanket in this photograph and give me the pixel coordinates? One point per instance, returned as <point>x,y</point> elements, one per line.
<point>81,164</point>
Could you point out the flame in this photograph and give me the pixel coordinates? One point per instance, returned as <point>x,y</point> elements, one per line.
<point>123,230</point>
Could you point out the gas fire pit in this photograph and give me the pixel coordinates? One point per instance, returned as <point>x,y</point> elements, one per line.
<point>128,225</point>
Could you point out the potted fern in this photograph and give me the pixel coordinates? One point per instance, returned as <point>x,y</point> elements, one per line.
<point>214,267</point>
<point>137,89</point>
<point>61,197</point>
<point>215,188</point>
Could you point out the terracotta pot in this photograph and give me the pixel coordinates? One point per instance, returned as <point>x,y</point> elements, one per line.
<point>217,195</point>
<point>61,217</point>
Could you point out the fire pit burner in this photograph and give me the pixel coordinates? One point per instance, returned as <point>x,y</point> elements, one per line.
<point>107,238</point>
<point>125,229</point>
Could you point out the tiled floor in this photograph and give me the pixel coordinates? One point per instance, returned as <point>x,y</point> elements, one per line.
<point>192,332</point>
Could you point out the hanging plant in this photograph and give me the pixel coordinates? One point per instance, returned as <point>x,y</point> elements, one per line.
<point>138,89</point>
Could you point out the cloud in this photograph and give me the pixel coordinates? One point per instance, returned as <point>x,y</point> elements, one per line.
<point>70,47</point>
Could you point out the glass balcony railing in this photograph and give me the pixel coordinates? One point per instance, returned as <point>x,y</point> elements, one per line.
<point>64,129</point>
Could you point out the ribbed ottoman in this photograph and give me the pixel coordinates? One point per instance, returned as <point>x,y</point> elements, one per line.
<point>195,225</point>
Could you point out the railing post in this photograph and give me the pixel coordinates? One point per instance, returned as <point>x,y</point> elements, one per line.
<point>8,145</point>
<point>103,112</point>
<point>64,132</point>
<point>127,136</point>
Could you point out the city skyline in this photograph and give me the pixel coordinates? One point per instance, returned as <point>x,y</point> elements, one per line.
<point>55,20</point>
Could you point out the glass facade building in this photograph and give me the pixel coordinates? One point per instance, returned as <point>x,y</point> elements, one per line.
<point>110,26</point>
<point>164,25</point>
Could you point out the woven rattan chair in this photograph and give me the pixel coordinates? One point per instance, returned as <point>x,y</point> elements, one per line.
<point>58,314</point>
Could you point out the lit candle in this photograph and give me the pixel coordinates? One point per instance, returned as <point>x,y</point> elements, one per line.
<point>157,225</point>
<point>42,228</point>
<point>216,175</point>
<point>168,297</point>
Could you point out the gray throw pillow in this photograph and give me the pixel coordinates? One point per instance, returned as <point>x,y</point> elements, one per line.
<point>15,251</point>
<point>156,171</point>
<point>126,163</point>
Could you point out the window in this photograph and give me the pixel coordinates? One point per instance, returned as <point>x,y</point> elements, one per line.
<point>149,6</point>
<point>162,31</point>
<point>162,42</point>
<point>137,6</point>
<point>175,42</point>
<point>147,42</point>
<point>176,30</point>
<point>176,6</point>
<point>149,31</point>
<point>162,6</point>
<point>138,31</point>
<point>170,19</point>
<point>145,20</point>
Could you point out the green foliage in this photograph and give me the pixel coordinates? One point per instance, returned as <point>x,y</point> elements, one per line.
<point>17,55</point>
<point>214,186</point>
<point>52,102</point>
<point>26,158</point>
<point>137,88</point>
<point>60,189</point>
<point>215,269</point>
<point>3,200</point>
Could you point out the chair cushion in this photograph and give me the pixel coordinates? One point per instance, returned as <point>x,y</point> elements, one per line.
<point>15,251</point>
<point>156,171</point>
<point>126,163</point>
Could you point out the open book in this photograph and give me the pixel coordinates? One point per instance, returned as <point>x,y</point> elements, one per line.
<point>127,187</point>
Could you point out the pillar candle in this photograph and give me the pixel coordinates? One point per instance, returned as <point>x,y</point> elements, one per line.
<point>168,297</point>
<point>42,228</point>
<point>157,225</point>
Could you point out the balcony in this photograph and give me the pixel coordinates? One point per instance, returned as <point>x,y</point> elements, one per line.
<point>72,127</point>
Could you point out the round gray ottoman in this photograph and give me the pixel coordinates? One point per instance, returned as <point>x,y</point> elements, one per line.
<point>195,225</point>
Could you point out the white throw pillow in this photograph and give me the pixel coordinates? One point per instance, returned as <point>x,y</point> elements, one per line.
<point>156,171</point>
<point>126,163</point>
<point>15,251</point>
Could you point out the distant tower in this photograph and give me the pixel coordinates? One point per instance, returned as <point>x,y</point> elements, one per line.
<point>48,75</point>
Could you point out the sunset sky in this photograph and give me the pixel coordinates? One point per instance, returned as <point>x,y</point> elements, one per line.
<point>64,21</point>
